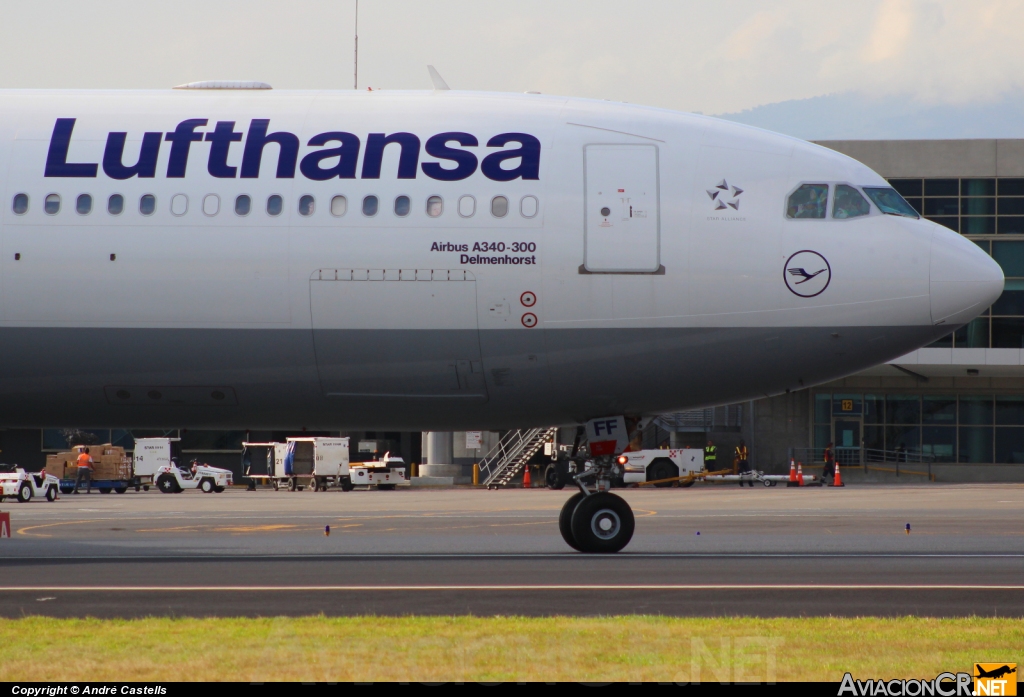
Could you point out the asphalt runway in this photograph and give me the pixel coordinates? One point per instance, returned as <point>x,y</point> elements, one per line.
<point>760,551</point>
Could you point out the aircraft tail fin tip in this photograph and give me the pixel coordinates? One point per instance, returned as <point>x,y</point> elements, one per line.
<point>435,77</point>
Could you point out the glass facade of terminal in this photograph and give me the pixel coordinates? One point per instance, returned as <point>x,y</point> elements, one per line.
<point>991,213</point>
<point>964,428</point>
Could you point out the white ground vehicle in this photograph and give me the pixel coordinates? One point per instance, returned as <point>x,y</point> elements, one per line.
<point>652,465</point>
<point>16,482</point>
<point>386,473</point>
<point>171,479</point>
<point>316,462</point>
<point>655,465</point>
<point>150,455</point>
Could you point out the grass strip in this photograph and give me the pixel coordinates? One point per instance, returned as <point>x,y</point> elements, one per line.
<point>465,648</point>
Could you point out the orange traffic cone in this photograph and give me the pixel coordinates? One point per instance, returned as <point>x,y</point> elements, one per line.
<point>837,479</point>
<point>527,484</point>
<point>800,473</point>
<point>792,474</point>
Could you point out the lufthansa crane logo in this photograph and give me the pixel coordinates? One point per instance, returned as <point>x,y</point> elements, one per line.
<point>807,274</point>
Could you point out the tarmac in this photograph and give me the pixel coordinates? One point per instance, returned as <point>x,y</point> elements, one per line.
<point>704,551</point>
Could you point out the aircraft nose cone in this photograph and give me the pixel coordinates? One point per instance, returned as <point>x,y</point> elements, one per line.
<point>963,279</point>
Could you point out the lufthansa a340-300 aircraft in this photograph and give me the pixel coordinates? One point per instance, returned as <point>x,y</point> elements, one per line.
<point>233,256</point>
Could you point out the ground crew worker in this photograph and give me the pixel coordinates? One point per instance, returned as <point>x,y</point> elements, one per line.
<point>830,462</point>
<point>742,456</point>
<point>85,470</point>
<point>710,456</point>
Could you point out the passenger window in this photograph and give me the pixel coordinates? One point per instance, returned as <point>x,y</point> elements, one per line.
<point>179,204</point>
<point>528,206</point>
<point>84,204</point>
<point>147,204</point>
<point>339,206</point>
<point>467,206</point>
<point>307,204</point>
<point>499,206</point>
<point>808,201</point>
<point>370,205</point>
<point>849,203</point>
<point>52,204</point>
<point>435,206</point>
<point>275,204</point>
<point>211,204</point>
<point>402,206</point>
<point>115,204</point>
<point>243,204</point>
<point>20,204</point>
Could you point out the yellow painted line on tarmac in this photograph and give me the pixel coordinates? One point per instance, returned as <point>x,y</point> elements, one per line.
<point>25,531</point>
<point>517,587</point>
<point>210,528</point>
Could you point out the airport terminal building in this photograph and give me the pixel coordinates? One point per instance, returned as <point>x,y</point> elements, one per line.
<point>955,408</point>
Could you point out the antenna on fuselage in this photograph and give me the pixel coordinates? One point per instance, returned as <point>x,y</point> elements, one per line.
<point>356,68</point>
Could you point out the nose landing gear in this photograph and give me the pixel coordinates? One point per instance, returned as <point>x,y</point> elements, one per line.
<point>598,521</point>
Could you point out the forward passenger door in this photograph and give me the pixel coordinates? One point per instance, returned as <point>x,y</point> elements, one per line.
<point>622,213</point>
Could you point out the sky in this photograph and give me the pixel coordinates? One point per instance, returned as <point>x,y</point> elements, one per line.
<point>712,56</point>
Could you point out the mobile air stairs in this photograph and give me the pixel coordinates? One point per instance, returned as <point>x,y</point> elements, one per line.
<point>510,455</point>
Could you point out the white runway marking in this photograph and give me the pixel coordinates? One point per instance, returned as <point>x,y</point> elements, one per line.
<point>509,588</point>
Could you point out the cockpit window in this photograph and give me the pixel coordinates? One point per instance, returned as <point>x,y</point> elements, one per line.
<point>849,203</point>
<point>890,202</point>
<point>808,201</point>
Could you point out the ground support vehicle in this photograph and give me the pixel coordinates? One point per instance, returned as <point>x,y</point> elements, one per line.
<point>318,463</point>
<point>757,476</point>
<point>171,479</point>
<point>727,477</point>
<point>386,473</point>
<point>112,468</point>
<point>15,482</point>
<point>262,463</point>
<point>661,467</point>
<point>149,456</point>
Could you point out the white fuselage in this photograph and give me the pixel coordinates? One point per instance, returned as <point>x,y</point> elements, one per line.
<point>532,260</point>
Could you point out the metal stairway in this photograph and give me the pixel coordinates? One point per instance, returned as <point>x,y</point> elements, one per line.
<point>512,452</point>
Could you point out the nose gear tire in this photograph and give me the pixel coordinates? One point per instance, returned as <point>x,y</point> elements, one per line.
<point>565,520</point>
<point>602,523</point>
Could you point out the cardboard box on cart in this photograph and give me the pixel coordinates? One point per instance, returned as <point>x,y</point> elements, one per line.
<point>109,462</point>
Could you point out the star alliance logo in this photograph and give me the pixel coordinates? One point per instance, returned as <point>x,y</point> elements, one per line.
<point>721,192</point>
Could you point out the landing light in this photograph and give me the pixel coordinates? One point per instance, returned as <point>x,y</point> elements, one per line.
<point>623,459</point>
